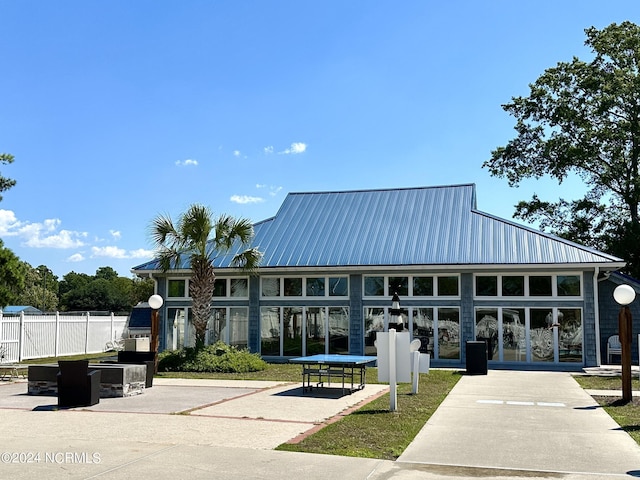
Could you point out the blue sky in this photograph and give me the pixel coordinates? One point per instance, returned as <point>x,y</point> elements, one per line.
<point>119,111</point>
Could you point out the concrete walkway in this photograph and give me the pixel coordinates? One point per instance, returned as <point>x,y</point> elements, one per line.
<point>506,425</point>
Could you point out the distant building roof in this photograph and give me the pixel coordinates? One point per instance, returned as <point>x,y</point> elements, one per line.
<point>17,309</point>
<point>403,226</point>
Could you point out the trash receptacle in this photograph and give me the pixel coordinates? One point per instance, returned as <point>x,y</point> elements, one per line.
<point>476,357</point>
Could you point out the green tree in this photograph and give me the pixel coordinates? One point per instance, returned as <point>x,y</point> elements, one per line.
<point>12,276</point>
<point>142,289</point>
<point>583,118</point>
<point>201,239</point>
<point>40,289</point>
<point>6,183</point>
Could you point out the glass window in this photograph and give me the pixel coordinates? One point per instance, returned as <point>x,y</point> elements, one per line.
<point>316,331</point>
<point>512,286</point>
<point>541,334</point>
<point>514,335</point>
<point>568,285</point>
<point>217,326</point>
<point>338,287</point>
<point>239,327</point>
<point>292,330</point>
<point>315,287</point>
<point>423,329</point>
<point>399,285</point>
<point>373,323</point>
<point>487,330</point>
<point>570,335</point>
<point>486,286</point>
<point>338,330</point>
<point>449,333</point>
<point>423,286</point>
<point>239,287</point>
<point>540,286</point>
<point>177,288</point>
<point>270,287</point>
<point>373,286</point>
<point>448,286</point>
<point>270,331</point>
<point>220,287</point>
<point>292,287</point>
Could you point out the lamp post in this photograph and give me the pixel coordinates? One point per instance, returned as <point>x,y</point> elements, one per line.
<point>155,302</point>
<point>624,295</point>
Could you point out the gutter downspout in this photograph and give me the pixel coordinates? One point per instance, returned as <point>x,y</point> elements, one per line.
<point>596,312</point>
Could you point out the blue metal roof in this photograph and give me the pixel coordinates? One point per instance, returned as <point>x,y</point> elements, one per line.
<point>407,226</point>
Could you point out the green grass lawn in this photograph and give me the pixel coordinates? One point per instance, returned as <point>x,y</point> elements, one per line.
<point>626,415</point>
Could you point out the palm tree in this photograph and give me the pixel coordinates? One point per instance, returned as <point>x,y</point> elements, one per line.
<point>201,239</point>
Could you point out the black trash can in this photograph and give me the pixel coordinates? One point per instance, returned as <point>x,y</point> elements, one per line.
<point>476,357</point>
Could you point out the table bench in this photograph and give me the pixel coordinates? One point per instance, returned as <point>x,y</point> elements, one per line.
<point>9,371</point>
<point>117,380</point>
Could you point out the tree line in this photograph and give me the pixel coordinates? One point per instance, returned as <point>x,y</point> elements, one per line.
<point>22,284</point>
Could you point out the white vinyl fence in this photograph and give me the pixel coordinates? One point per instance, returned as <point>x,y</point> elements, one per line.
<point>36,336</point>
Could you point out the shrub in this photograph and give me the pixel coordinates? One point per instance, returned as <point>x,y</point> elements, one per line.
<point>219,357</point>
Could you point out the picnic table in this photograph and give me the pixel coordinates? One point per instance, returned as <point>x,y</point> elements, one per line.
<point>349,369</point>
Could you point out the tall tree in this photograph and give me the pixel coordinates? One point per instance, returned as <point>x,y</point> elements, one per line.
<point>40,289</point>
<point>12,276</point>
<point>6,183</point>
<point>199,237</point>
<point>583,118</point>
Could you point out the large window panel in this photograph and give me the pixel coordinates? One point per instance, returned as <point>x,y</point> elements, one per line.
<point>217,326</point>
<point>270,331</point>
<point>338,330</point>
<point>220,287</point>
<point>239,287</point>
<point>292,330</point>
<point>514,335</point>
<point>292,287</point>
<point>487,329</point>
<point>316,330</point>
<point>373,323</point>
<point>449,333</point>
<point>239,327</point>
<point>541,335</point>
<point>570,335</point>
<point>423,329</point>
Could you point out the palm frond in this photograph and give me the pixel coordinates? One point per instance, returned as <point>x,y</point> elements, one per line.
<point>249,260</point>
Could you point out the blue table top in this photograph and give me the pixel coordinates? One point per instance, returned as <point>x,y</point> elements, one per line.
<point>334,359</point>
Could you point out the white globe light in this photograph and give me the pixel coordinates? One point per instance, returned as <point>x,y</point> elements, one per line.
<point>624,294</point>
<point>155,301</point>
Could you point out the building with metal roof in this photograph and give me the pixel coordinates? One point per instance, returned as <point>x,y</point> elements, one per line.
<point>332,261</point>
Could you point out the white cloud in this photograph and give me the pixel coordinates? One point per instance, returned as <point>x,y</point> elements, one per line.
<point>295,148</point>
<point>76,257</point>
<point>119,253</point>
<point>244,199</point>
<point>40,235</point>
<point>186,163</point>
<point>9,224</point>
<point>141,253</point>
<point>236,153</point>
<point>115,234</point>
<point>268,150</point>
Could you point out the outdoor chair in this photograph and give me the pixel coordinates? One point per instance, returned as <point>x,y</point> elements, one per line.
<point>614,347</point>
<point>77,386</point>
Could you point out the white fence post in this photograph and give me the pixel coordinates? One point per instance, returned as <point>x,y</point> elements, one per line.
<point>20,349</point>
<point>113,333</point>
<point>86,339</point>
<point>57,345</point>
